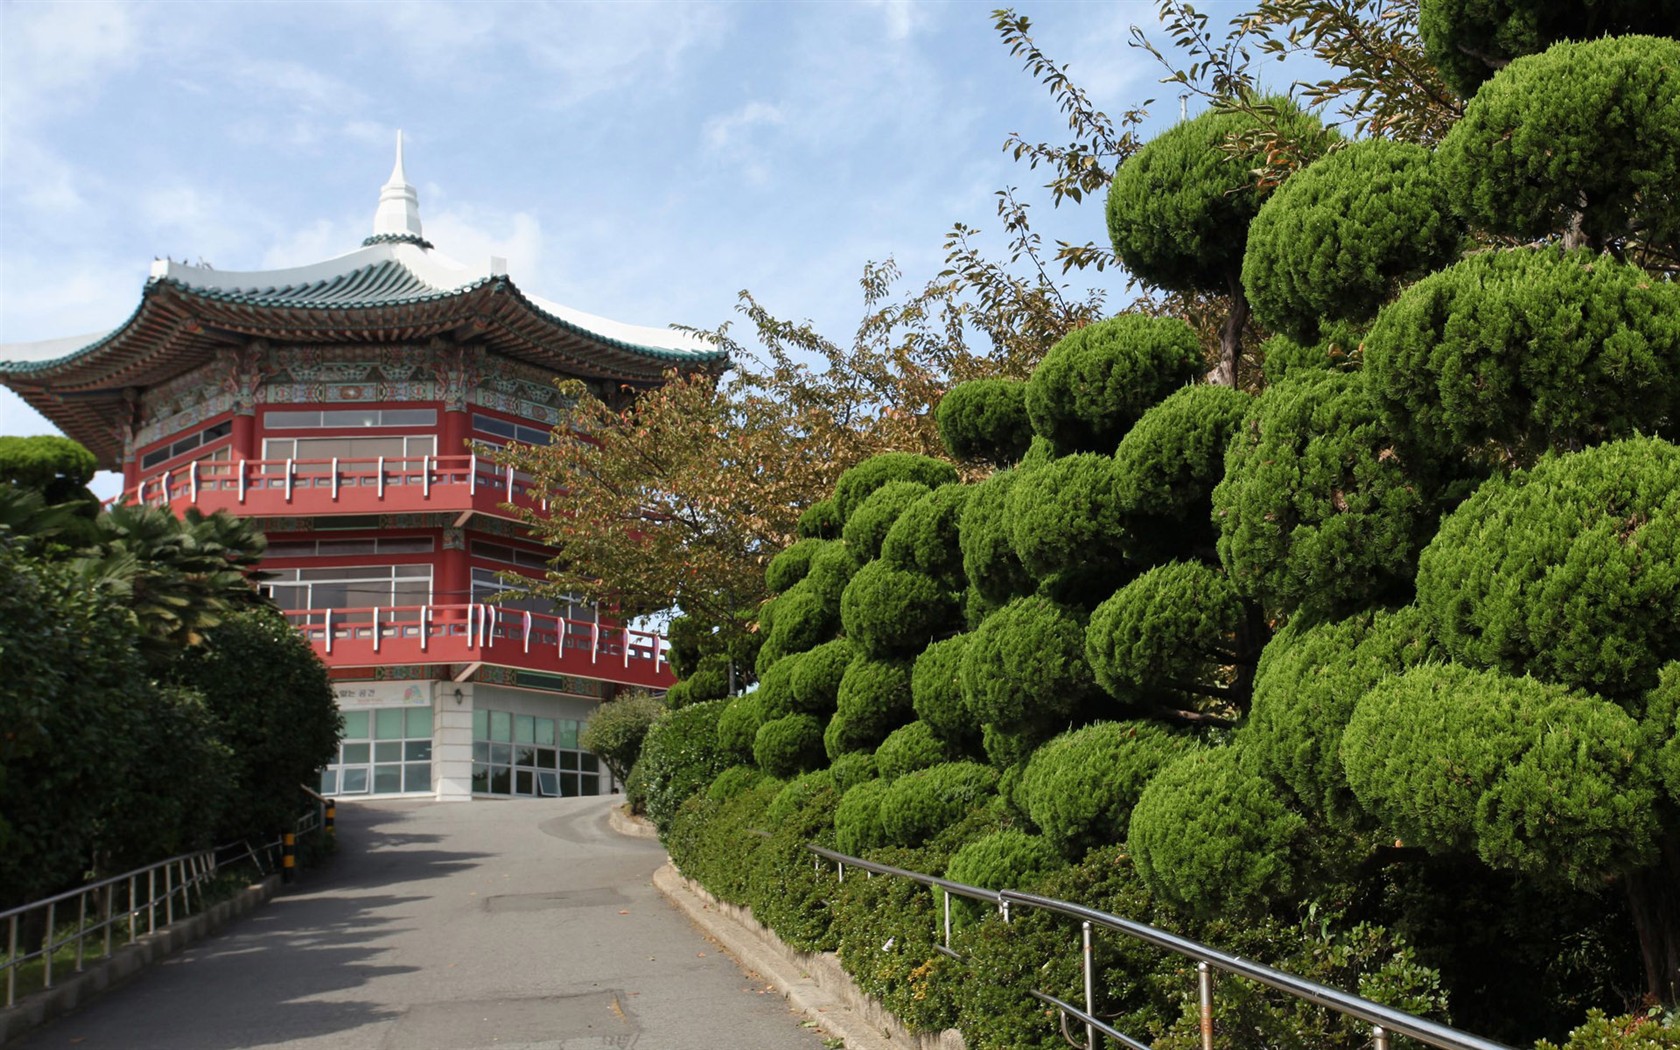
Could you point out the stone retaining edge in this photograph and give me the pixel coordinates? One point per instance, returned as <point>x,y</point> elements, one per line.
<point>77,989</point>
<point>621,820</point>
<point>814,983</point>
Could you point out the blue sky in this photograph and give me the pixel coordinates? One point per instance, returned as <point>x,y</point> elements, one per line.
<point>641,161</point>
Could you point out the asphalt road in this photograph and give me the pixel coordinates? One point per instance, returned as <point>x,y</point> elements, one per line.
<point>517,925</point>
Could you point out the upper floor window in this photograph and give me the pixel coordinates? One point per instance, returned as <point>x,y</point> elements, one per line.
<point>185,444</point>
<point>510,431</point>
<point>394,446</point>
<point>350,417</point>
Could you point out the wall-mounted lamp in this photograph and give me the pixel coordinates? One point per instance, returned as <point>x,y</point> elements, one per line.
<point>458,697</point>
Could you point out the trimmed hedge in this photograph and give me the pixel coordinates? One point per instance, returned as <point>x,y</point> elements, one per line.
<point>867,527</point>
<point>1099,380</point>
<point>925,539</point>
<point>889,612</point>
<point>680,756</point>
<point>985,420</point>
<point>1080,787</point>
<point>857,483</point>
<point>788,746</point>
<point>908,748</point>
<point>989,560</point>
<point>921,804</point>
<point>1169,638</point>
<point>1025,667</point>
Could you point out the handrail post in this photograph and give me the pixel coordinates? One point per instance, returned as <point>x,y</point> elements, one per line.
<point>379,468</point>
<point>594,641</point>
<point>425,628</point>
<point>168,895</point>
<point>472,474</point>
<point>289,469</point>
<point>1204,983</point>
<point>1379,1037</point>
<point>947,896</point>
<point>11,956</point>
<point>81,928</point>
<point>192,480</point>
<point>241,469</point>
<point>626,648</point>
<point>335,479</point>
<point>48,955</point>
<point>1089,966</point>
<point>376,628</point>
<point>425,477</point>
<point>527,630</point>
<point>329,632</point>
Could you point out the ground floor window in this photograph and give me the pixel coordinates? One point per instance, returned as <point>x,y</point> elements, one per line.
<point>525,755</point>
<point>384,751</point>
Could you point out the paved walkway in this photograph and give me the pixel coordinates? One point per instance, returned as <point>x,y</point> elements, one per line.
<point>514,925</point>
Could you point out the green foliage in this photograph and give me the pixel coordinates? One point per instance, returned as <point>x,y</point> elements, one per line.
<point>1167,465</point>
<point>1340,347</point>
<point>866,528</point>
<point>798,620</point>
<point>615,732</point>
<point>56,467</point>
<point>1213,837</point>
<point>852,769</point>
<point>1005,859</point>
<point>909,747</point>
<point>737,726</point>
<point>1025,668</point>
<point>856,484</point>
<point>1468,40</point>
<point>1319,510</point>
<point>1066,518</point>
<point>775,689</point>
<point>1080,787</point>
<point>1339,236</point>
<point>874,700</point>
<point>857,820</point>
<point>733,781</point>
<point>1583,135</point>
<point>1566,571</point>
<point>799,793</point>
<point>820,521</point>
<point>922,803</point>
<point>1662,715</point>
<point>789,745</point>
<point>791,565</point>
<point>888,611</point>
<point>697,645</point>
<point>1169,638</point>
<point>280,726</point>
<point>985,420</point>
<point>1180,207</point>
<point>989,559</point>
<point>680,756</point>
<point>1532,777</point>
<point>936,692</point>
<point>710,839</point>
<point>815,679</point>
<point>924,539</point>
<point>1098,380</point>
<point>832,568</point>
<point>1309,678</point>
<point>1510,354</point>
<point>1628,1032</point>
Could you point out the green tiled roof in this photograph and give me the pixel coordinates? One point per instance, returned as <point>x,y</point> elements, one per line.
<point>396,238</point>
<point>386,283</point>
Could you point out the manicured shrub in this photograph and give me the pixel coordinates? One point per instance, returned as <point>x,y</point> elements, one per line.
<point>733,781</point>
<point>857,820</point>
<point>1179,208</point>
<point>1320,510</point>
<point>1510,354</point>
<point>1339,347</point>
<point>989,559</point>
<point>1025,667</point>
<point>681,756</point>
<point>1339,236</point>
<point>800,620</point>
<point>1585,134</point>
<point>791,565</point>
<point>1067,517</point>
<point>710,680</point>
<point>924,539</point>
<point>1309,678</point>
<point>1468,41</point>
<point>1005,859</point>
<point>907,748</point>
<point>1532,777</point>
<point>1167,465</point>
<point>1080,787</point>
<point>789,745</point>
<point>920,804</point>
<point>936,692</point>
<point>738,724</point>
<point>985,420</point>
<point>1170,638</point>
<point>1210,834</point>
<point>1566,571</point>
<point>797,794</point>
<point>874,700</point>
<point>852,769</point>
<point>775,689</point>
<point>1098,380</point>
<point>820,521</point>
<point>857,483</point>
<point>888,612</point>
<point>832,567</point>
<point>867,527</point>
<point>815,679</point>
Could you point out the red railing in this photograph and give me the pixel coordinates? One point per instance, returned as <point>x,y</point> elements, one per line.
<point>341,486</point>
<point>480,633</point>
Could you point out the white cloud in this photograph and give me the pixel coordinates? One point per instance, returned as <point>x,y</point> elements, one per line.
<point>470,234</point>
<point>903,17</point>
<point>55,55</point>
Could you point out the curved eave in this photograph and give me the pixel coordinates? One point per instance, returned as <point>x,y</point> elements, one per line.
<point>178,327</point>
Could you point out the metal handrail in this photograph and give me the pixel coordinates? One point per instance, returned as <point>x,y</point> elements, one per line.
<point>377,472</point>
<point>1385,1020</point>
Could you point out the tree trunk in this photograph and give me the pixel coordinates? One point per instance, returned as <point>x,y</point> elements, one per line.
<point>1654,894</point>
<point>1230,337</point>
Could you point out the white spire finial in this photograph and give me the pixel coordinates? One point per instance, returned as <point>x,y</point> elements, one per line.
<point>399,204</point>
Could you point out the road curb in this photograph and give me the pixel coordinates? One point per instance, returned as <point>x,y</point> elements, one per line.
<point>621,820</point>
<point>813,983</point>
<point>78,989</point>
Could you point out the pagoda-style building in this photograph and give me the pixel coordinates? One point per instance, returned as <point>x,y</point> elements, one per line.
<point>346,408</point>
